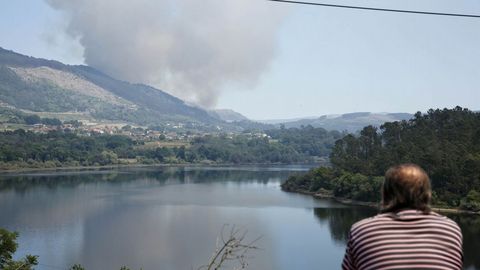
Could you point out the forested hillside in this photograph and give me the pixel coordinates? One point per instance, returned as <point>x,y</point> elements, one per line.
<point>40,85</point>
<point>25,149</point>
<point>446,143</point>
<point>307,139</point>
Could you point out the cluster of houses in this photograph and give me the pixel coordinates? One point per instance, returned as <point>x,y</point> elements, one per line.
<point>91,129</point>
<point>87,128</point>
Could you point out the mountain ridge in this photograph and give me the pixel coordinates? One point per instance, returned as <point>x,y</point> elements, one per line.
<point>36,85</point>
<point>228,115</point>
<point>25,88</point>
<point>351,122</point>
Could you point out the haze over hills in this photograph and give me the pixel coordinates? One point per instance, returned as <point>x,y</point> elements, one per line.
<point>350,122</point>
<point>79,92</point>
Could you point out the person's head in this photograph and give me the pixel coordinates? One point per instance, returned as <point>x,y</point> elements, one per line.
<point>406,186</point>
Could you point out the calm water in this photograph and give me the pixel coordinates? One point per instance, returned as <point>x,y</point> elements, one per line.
<point>170,218</point>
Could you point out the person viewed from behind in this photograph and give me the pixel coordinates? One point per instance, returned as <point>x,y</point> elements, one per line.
<point>406,234</point>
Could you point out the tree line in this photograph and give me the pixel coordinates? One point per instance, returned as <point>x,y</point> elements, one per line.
<point>446,143</point>
<point>20,149</point>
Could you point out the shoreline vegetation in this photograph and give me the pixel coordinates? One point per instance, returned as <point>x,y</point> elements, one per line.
<point>445,143</point>
<point>324,194</point>
<point>141,165</point>
<point>56,149</point>
<point>376,205</point>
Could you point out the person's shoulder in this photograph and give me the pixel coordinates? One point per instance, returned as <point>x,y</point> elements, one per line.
<point>371,221</point>
<point>445,220</point>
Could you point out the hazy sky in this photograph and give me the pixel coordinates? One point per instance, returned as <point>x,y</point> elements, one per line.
<point>320,60</point>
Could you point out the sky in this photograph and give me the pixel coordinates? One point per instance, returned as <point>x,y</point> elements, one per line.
<point>308,61</point>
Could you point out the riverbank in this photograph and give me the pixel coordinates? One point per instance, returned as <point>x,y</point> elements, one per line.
<point>345,201</point>
<point>140,165</point>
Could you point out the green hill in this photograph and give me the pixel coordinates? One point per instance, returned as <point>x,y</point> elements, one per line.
<point>38,85</point>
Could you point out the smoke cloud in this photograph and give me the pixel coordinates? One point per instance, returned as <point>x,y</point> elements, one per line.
<point>190,48</point>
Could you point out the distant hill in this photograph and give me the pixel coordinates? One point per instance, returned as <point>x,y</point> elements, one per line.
<point>77,92</point>
<point>38,85</point>
<point>281,121</point>
<point>350,122</point>
<point>227,115</point>
<point>240,121</point>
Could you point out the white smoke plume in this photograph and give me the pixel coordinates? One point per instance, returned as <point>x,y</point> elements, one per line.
<point>190,48</point>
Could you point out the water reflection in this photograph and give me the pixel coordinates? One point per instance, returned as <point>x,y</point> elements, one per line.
<point>470,226</point>
<point>150,218</point>
<point>340,220</point>
<point>169,218</point>
<point>162,175</point>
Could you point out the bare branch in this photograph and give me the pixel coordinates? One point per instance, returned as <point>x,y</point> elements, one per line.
<point>231,249</point>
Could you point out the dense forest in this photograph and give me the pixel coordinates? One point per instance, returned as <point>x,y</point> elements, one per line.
<point>307,140</point>
<point>446,143</point>
<point>21,149</point>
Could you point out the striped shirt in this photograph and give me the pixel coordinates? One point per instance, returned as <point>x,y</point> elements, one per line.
<point>407,239</point>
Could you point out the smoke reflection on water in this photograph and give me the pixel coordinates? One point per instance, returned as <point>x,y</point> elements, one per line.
<point>171,217</point>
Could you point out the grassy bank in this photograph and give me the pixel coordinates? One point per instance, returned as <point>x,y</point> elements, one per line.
<point>376,205</point>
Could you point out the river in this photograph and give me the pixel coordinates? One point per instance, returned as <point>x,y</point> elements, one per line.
<point>170,218</point>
